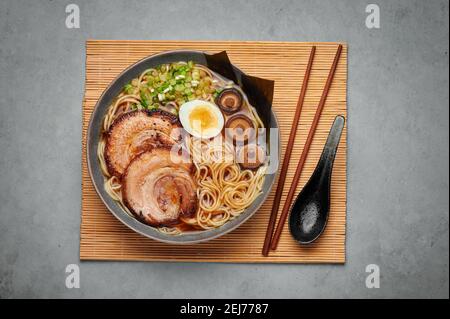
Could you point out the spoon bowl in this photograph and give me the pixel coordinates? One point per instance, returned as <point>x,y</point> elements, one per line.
<point>309,213</point>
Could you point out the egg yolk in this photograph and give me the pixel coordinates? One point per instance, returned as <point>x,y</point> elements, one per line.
<point>202,119</point>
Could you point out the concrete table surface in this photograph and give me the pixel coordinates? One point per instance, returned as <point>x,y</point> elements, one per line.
<point>398,146</point>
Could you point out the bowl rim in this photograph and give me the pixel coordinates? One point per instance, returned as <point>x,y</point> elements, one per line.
<point>134,224</point>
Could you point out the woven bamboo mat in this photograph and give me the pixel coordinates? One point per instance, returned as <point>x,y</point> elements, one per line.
<point>105,238</point>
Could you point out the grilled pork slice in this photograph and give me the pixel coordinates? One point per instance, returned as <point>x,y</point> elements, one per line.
<point>135,132</point>
<point>158,187</point>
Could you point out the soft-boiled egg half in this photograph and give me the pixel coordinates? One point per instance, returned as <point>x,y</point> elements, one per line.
<point>201,118</point>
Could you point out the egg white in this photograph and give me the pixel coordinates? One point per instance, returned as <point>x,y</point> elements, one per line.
<point>187,108</point>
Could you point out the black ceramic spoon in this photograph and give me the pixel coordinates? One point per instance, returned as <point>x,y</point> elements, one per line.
<point>309,214</point>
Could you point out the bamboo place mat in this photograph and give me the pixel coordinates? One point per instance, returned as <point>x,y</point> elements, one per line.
<point>103,237</point>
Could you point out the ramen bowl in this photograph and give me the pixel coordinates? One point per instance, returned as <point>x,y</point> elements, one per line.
<point>93,137</point>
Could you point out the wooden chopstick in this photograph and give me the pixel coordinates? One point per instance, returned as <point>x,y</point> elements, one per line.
<point>298,171</point>
<point>287,156</point>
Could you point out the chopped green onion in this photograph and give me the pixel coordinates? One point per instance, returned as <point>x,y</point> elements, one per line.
<point>179,87</point>
<point>195,75</point>
<point>177,82</point>
<point>128,88</point>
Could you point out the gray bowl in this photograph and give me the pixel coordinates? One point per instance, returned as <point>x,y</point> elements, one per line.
<point>93,136</point>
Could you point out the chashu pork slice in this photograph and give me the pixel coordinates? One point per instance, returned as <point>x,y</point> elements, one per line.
<point>158,187</point>
<point>135,132</point>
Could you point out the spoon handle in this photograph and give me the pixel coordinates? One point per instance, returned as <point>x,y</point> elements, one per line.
<point>330,149</point>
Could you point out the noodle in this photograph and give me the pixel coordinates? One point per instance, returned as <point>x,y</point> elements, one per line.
<point>224,190</point>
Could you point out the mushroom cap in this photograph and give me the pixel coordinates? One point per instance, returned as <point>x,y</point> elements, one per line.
<point>251,156</point>
<point>229,100</point>
<point>240,128</point>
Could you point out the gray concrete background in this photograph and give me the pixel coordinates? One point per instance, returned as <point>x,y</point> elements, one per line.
<point>398,156</point>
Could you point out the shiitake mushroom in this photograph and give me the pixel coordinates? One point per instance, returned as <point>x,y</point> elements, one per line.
<point>240,129</point>
<point>229,100</point>
<point>251,156</point>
